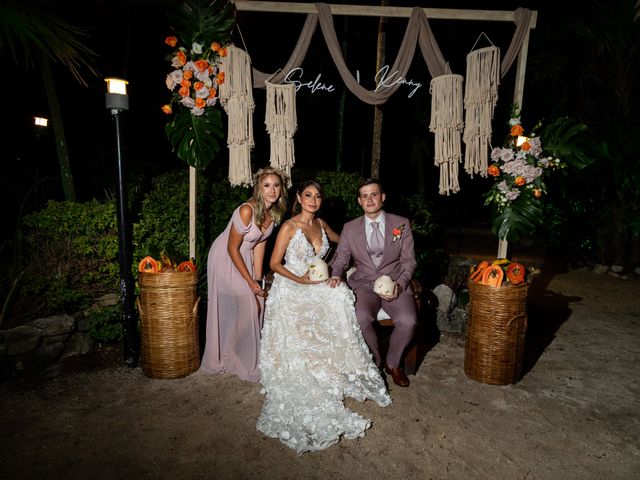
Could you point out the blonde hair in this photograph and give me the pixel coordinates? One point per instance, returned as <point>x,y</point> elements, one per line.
<point>278,208</point>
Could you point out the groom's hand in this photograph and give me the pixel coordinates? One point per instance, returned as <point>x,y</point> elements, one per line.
<point>397,290</point>
<point>333,282</point>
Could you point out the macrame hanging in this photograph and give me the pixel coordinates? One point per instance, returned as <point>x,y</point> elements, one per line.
<point>480,97</point>
<point>236,96</point>
<point>282,123</point>
<point>446,123</point>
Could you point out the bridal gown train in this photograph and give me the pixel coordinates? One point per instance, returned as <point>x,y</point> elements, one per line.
<point>312,356</point>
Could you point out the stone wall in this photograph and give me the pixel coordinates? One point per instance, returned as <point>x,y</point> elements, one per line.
<point>40,346</point>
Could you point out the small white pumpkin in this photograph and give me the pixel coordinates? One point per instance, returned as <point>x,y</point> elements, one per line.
<point>318,270</point>
<point>384,286</point>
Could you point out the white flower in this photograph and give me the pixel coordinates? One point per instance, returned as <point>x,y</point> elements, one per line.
<point>514,121</point>
<point>506,154</point>
<point>196,49</point>
<point>174,79</point>
<point>188,102</point>
<point>495,154</point>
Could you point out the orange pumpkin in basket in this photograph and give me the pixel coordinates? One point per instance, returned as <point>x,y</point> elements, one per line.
<point>476,275</point>
<point>148,265</point>
<point>493,276</point>
<point>516,273</point>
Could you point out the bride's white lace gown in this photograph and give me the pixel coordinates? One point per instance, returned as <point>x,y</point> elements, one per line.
<point>312,356</point>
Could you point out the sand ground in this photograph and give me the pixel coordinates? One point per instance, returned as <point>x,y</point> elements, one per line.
<point>573,415</point>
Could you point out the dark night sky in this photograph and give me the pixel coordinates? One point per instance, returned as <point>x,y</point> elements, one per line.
<point>128,37</point>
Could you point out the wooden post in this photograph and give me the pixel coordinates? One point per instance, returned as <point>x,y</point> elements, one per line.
<point>376,146</point>
<point>192,212</point>
<point>518,95</point>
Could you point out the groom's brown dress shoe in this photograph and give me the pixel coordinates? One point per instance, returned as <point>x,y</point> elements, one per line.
<point>398,375</point>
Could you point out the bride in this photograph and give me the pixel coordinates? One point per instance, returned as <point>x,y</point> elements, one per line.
<point>312,354</point>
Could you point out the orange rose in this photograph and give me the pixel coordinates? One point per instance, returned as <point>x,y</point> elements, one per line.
<point>171,41</point>
<point>198,85</point>
<point>516,130</point>
<point>493,170</point>
<point>212,92</point>
<point>167,109</point>
<point>188,74</point>
<point>200,102</point>
<point>223,52</point>
<point>215,46</point>
<point>520,181</point>
<point>220,78</point>
<point>537,192</point>
<point>182,58</point>
<point>201,65</point>
<point>185,83</point>
<point>184,91</point>
<point>526,146</point>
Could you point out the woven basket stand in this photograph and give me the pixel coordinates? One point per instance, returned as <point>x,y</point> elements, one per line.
<point>168,306</point>
<point>496,333</point>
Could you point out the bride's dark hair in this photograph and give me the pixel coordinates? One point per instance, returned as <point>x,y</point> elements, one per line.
<point>302,186</point>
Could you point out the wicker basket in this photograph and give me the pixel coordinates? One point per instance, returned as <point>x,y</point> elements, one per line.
<point>496,333</point>
<point>168,306</point>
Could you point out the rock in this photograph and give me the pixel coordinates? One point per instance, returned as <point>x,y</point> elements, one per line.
<point>82,322</point>
<point>22,339</point>
<point>56,325</point>
<point>49,353</point>
<point>108,300</point>
<point>599,269</point>
<point>446,298</point>
<point>617,268</point>
<point>56,339</point>
<point>78,344</point>
<point>454,322</point>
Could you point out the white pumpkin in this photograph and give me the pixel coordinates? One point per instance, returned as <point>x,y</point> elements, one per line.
<point>318,270</point>
<point>384,286</point>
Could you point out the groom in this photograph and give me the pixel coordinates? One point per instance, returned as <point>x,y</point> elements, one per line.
<point>380,243</point>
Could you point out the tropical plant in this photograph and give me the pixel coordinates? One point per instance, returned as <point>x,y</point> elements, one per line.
<point>588,69</point>
<point>37,39</point>
<point>202,28</point>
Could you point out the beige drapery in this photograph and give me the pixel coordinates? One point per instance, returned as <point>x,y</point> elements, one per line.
<point>418,30</point>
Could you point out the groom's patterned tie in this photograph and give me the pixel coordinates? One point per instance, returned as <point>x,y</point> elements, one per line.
<point>376,244</point>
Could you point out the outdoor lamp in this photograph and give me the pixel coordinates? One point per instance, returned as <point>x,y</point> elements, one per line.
<point>521,139</point>
<point>116,97</point>
<point>117,101</point>
<point>41,122</point>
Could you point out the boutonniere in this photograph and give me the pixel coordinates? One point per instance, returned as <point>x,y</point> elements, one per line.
<point>397,232</point>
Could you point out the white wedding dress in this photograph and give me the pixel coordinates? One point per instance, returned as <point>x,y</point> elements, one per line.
<point>312,356</point>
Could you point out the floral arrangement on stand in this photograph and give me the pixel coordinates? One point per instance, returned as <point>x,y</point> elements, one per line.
<point>517,193</point>
<point>202,29</point>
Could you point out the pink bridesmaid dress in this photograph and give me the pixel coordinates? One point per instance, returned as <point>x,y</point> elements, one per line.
<point>234,320</point>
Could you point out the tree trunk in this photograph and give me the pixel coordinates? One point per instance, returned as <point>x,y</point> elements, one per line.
<point>58,131</point>
<point>377,109</point>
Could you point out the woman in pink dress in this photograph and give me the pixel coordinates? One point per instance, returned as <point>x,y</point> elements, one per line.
<point>236,299</point>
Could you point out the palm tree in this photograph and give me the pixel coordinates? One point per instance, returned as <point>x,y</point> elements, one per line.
<point>38,39</point>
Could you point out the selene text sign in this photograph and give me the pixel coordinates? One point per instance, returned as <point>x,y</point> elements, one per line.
<point>383,79</point>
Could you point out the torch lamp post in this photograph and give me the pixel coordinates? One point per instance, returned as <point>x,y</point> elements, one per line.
<point>117,102</point>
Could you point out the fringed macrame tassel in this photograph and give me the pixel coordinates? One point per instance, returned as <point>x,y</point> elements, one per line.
<point>236,96</point>
<point>282,123</point>
<point>446,123</point>
<point>480,97</point>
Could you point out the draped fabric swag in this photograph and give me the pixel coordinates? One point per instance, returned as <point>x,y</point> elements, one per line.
<point>448,89</point>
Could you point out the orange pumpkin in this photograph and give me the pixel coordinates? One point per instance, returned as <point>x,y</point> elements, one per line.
<point>187,266</point>
<point>148,265</point>
<point>493,276</point>
<point>476,275</point>
<point>516,273</point>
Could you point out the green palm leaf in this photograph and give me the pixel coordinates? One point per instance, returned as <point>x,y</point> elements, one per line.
<point>518,219</point>
<point>195,139</point>
<point>565,139</point>
<point>203,20</point>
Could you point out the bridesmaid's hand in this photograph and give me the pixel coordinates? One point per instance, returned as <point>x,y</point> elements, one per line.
<point>256,288</point>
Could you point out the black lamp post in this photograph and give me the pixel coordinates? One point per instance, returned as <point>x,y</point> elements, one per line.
<point>117,102</point>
